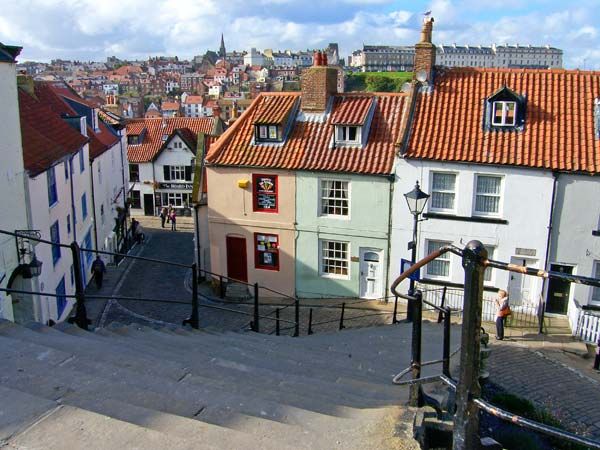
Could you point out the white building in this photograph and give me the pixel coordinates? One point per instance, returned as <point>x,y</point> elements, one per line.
<point>161,154</point>
<point>56,158</point>
<point>254,58</point>
<point>110,89</point>
<point>12,179</point>
<point>192,106</point>
<point>511,166</point>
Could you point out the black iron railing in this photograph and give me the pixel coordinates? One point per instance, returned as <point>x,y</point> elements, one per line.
<point>468,394</point>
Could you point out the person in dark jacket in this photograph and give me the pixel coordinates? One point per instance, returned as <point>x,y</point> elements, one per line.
<point>98,271</point>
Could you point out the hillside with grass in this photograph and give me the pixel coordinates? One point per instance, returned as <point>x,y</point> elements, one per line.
<point>377,81</point>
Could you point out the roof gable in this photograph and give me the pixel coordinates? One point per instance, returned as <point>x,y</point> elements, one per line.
<point>309,143</point>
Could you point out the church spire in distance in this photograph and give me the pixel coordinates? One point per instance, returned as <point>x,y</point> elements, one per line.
<point>222,52</point>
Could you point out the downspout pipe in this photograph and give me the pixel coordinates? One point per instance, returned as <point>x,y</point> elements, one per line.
<point>125,189</point>
<point>73,213</point>
<point>555,175</point>
<point>392,179</point>
<point>94,204</point>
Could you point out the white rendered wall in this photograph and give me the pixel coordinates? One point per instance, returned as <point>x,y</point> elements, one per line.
<point>526,198</point>
<point>12,180</point>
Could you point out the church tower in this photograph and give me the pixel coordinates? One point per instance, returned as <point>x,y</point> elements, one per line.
<point>222,52</point>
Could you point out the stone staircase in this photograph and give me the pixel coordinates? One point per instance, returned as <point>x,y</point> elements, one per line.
<point>128,387</point>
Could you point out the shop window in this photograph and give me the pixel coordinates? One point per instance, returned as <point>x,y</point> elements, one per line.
<point>266,251</point>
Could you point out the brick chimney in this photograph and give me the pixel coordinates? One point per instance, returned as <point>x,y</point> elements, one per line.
<point>425,51</point>
<point>319,82</point>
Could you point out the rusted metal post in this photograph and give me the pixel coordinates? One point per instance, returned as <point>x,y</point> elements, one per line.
<point>80,312</point>
<point>415,398</point>
<point>310,331</point>
<point>442,304</point>
<point>466,419</point>
<point>342,316</point>
<point>255,326</point>
<point>277,322</point>
<point>446,350</point>
<point>297,317</point>
<point>394,319</point>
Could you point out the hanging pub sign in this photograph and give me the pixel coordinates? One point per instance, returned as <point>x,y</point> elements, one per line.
<point>266,251</point>
<point>265,193</point>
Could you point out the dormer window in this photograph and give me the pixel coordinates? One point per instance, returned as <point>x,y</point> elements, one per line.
<point>345,134</point>
<point>268,133</point>
<point>133,139</point>
<point>504,114</point>
<point>505,111</point>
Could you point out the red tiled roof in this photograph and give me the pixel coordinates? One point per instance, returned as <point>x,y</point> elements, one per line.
<point>46,137</point>
<point>308,145</point>
<point>169,106</point>
<point>194,99</point>
<point>153,142</point>
<point>559,124</point>
<point>274,109</point>
<point>351,110</point>
<point>53,92</point>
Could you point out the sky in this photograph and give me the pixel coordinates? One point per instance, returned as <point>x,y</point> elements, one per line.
<point>136,29</point>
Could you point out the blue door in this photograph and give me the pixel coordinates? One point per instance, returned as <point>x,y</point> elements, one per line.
<point>61,300</point>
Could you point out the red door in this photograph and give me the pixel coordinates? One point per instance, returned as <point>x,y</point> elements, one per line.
<point>237,264</point>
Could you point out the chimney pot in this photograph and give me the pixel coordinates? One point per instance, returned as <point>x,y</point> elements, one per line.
<point>325,59</point>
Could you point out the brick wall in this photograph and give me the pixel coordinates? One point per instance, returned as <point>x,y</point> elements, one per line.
<point>318,83</point>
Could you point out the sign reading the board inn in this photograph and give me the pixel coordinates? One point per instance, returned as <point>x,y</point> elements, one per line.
<point>177,186</point>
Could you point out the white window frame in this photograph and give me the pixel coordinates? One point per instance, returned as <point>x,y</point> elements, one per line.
<point>596,274</point>
<point>322,198</point>
<point>454,192</point>
<point>503,122</point>
<point>325,274</point>
<point>175,170</point>
<point>445,258</point>
<point>476,212</point>
<point>177,199</point>
<point>342,134</point>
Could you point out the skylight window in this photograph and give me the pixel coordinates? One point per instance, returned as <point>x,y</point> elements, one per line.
<point>268,133</point>
<point>347,134</point>
<point>504,114</point>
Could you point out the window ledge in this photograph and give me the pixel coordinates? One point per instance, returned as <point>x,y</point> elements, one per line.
<point>595,232</point>
<point>465,218</point>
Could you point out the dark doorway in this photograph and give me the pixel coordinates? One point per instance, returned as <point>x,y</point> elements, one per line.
<point>237,264</point>
<point>148,204</point>
<point>558,291</point>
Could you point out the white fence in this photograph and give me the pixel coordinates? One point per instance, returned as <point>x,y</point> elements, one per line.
<point>588,326</point>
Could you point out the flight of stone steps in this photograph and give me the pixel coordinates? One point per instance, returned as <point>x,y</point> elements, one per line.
<point>129,387</point>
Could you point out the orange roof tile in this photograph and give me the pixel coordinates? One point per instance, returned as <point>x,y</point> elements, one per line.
<point>307,147</point>
<point>169,106</point>
<point>351,110</point>
<point>559,124</point>
<point>274,109</point>
<point>153,139</point>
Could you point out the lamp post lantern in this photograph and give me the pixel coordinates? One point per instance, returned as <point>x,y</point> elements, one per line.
<point>416,200</point>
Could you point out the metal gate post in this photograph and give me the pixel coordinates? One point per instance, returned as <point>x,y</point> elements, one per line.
<point>415,398</point>
<point>255,326</point>
<point>297,317</point>
<point>466,419</point>
<point>80,312</point>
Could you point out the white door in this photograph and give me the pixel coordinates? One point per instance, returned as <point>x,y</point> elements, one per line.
<point>371,263</point>
<point>522,288</point>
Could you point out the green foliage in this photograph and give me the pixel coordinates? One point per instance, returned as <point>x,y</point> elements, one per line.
<point>377,81</point>
<point>514,404</point>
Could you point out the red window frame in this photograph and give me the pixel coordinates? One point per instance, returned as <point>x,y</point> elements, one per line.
<point>255,193</point>
<point>273,250</point>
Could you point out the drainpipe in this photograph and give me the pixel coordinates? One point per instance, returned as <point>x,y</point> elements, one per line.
<point>392,178</point>
<point>196,207</point>
<point>548,245</point>
<point>125,191</point>
<point>73,197</point>
<point>94,204</point>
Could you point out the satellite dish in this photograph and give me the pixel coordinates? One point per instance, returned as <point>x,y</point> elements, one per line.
<point>406,87</point>
<point>422,75</point>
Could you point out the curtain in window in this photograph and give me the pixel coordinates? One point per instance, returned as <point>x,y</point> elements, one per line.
<point>443,186</point>
<point>488,194</point>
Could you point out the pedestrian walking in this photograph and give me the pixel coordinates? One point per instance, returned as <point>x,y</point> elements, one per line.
<point>502,313</point>
<point>173,217</point>
<point>163,217</point>
<point>98,270</point>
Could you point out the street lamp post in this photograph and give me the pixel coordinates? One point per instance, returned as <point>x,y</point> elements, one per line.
<point>416,200</point>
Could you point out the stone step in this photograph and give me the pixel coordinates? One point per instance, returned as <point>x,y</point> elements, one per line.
<point>279,381</point>
<point>71,428</point>
<point>59,382</point>
<point>19,410</point>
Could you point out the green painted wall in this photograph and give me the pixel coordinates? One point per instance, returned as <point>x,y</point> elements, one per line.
<point>366,227</point>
